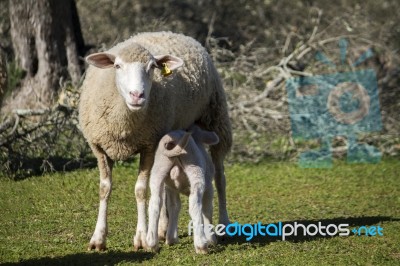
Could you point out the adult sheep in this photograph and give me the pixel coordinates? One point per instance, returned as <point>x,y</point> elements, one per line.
<point>127,104</point>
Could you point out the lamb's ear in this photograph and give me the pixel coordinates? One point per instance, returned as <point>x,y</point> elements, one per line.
<point>101,60</point>
<point>172,62</point>
<point>204,136</point>
<point>209,137</point>
<point>170,145</point>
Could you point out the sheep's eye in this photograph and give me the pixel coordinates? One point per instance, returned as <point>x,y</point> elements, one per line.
<point>151,65</point>
<point>154,65</point>
<point>117,66</point>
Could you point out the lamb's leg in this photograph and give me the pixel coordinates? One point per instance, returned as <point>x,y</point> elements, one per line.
<point>220,184</point>
<point>156,189</point>
<point>195,210</point>
<point>163,222</point>
<point>207,214</point>
<point>173,208</point>
<point>146,162</point>
<point>98,240</point>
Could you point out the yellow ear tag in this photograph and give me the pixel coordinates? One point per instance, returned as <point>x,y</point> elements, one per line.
<point>165,71</point>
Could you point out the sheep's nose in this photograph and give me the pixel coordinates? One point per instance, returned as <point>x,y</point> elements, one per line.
<point>136,94</point>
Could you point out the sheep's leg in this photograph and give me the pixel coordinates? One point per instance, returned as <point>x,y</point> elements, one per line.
<point>173,208</point>
<point>195,211</point>
<point>98,240</point>
<point>220,184</point>
<point>207,214</point>
<point>146,162</point>
<point>163,222</point>
<point>156,189</point>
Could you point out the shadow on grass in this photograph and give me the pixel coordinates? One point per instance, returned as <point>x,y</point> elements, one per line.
<point>22,167</point>
<point>265,240</point>
<point>89,258</point>
<point>115,257</point>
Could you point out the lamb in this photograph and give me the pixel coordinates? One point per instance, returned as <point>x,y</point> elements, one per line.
<point>184,166</point>
<point>127,104</point>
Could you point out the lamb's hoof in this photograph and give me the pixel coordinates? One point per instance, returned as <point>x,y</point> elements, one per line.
<point>201,250</point>
<point>212,240</point>
<point>154,249</point>
<point>97,246</point>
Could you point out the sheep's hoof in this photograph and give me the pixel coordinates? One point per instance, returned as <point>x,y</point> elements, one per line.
<point>161,235</point>
<point>225,236</point>
<point>137,246</point>
<point>162,229</point>
<point>139,241</point>
<point>97,246</point>
<point>171,241</point>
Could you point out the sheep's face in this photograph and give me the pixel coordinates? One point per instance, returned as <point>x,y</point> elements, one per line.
<point>133,81</point>
<point>134,73</point>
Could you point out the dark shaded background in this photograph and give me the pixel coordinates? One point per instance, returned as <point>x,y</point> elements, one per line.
<point>245,39</point>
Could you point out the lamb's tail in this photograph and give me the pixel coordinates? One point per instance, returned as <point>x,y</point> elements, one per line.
<point>172,149</point>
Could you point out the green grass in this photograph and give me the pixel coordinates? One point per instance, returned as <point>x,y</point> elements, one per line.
<point>50,219</point>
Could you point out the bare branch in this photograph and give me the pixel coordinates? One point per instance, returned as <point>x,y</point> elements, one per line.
<point>28,112</point>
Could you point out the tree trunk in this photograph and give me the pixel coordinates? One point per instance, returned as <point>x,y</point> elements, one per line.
<point>47,42</point>
<point>3,76</point>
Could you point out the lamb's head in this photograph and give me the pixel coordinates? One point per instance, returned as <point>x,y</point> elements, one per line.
<point>134,67</point>
<point>174,143</point>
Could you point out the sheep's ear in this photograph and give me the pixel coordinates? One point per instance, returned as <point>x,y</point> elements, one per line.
<point>101,60</point>
<point>171,62</point>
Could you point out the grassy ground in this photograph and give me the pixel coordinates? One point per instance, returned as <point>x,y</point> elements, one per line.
<point>49,219</point>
